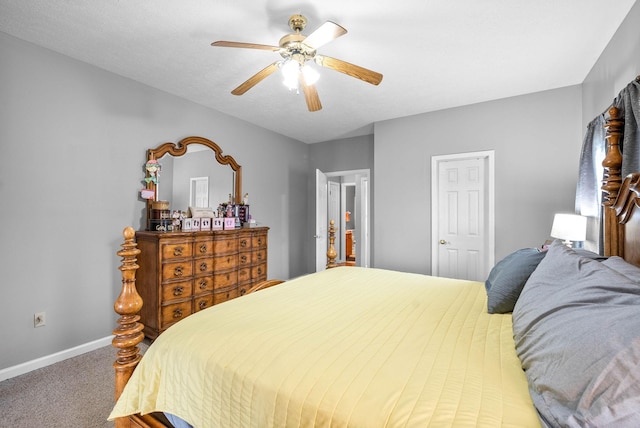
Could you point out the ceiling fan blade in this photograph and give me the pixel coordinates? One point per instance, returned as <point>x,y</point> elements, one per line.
<point>310,95</point>
<point>352,70</point>
<point>227,44</point>
<point>256,78</point>
<point>324,34</point>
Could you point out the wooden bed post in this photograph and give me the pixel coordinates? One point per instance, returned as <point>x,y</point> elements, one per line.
<point>611,182</point>
<point>331,252</point>
<point>128,334</point>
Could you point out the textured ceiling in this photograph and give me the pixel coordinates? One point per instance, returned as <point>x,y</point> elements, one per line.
<point>434,54</point>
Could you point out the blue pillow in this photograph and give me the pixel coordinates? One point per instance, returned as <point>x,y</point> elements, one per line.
<point>508,277</point>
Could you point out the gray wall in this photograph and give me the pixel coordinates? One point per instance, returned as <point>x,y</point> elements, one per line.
<point>618,65</point>
<point>536,139</point>
<point>73,143</point>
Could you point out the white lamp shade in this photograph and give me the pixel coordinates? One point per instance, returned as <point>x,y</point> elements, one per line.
<point>290,70</point>
<point>569,227</point>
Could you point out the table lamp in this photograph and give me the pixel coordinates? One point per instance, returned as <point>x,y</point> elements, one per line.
<point>569,228</point>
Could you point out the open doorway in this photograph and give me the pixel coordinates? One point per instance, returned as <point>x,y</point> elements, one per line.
<point>343,196</point>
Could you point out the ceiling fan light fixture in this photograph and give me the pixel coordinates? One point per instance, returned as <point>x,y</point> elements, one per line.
<point>290,70</point>
<point>311,76</point>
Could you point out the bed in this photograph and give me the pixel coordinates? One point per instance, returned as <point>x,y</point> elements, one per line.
<point>369,347</point>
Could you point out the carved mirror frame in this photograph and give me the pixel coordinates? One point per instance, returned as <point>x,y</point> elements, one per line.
<point>180,148</point>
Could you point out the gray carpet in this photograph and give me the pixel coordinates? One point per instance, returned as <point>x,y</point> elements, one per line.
<point>77,392</point>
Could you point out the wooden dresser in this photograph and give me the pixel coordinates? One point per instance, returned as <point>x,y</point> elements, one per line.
<point>184,272</point>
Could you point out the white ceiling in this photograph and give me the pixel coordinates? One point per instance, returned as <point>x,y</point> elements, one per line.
<point>434,54</point>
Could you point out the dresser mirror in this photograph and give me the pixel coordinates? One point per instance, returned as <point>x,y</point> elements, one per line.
<point>190,163</point>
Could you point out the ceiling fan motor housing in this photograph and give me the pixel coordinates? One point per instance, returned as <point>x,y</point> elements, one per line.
<point>297,23</point>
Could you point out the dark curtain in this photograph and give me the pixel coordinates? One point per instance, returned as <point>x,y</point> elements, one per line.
<point>588,194</point>
<point>629,102</point>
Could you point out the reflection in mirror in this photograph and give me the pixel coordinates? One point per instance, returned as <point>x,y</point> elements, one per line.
<point>175,183</point>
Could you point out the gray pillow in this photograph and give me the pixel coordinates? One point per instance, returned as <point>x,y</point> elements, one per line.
<point>577,333</point>
<point>621,266</point>
<point>507,278</point>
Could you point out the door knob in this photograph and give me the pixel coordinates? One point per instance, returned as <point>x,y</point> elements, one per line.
<point>442,242</point>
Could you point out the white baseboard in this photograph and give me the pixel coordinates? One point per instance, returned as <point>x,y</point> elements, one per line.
<point>47,360</point>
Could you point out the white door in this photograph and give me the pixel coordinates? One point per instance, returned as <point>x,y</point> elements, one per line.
<point>322,223</point>
<point>199,192</point>
<point>463,217</point>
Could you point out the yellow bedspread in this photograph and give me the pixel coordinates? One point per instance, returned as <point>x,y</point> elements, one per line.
<point>345,347</point>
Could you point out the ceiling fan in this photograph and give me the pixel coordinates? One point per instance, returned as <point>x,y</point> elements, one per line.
<point>296,49</point>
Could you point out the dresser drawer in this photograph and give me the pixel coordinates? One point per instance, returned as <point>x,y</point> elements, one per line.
<point>244,243</point>
<point>244,275</point>
<point>176,290</point>
<point>225,246</point>
<point>202,302</point>
<point>177,270</point>
<point>242,288</point>
<point>229,261</point>
<point>174,313</point>
<point>203,248</point>
<point>172,250</point>
<point>203,266</point>
<point>224,295</point>
<point>225,279</point>
<point>259,256</point>
<point>203,284</point>
<point>244,258</point>
<point>259,241</point>
<point>259,272</point>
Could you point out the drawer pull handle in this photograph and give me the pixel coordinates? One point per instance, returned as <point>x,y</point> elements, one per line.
<point>243,258</point>
<point>259,256</point>
<point>228,277</point>
<point>243,243</point>
<point>259,241</point>
<point>177,313</point>
<point>203,266</point>
<point>203,284</point>
<point>242,291</point>
<point>259,271</point>
<point>203,248</point>
<point>203,304</point>
<point>178,271</point>
<point>177,251</point>
<point>177,291</point>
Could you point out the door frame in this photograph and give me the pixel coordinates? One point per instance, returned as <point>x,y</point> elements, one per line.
<point>489,158</point>
<point>363,198</point>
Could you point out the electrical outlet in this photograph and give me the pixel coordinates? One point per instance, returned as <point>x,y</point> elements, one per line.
<point>39,319</point>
